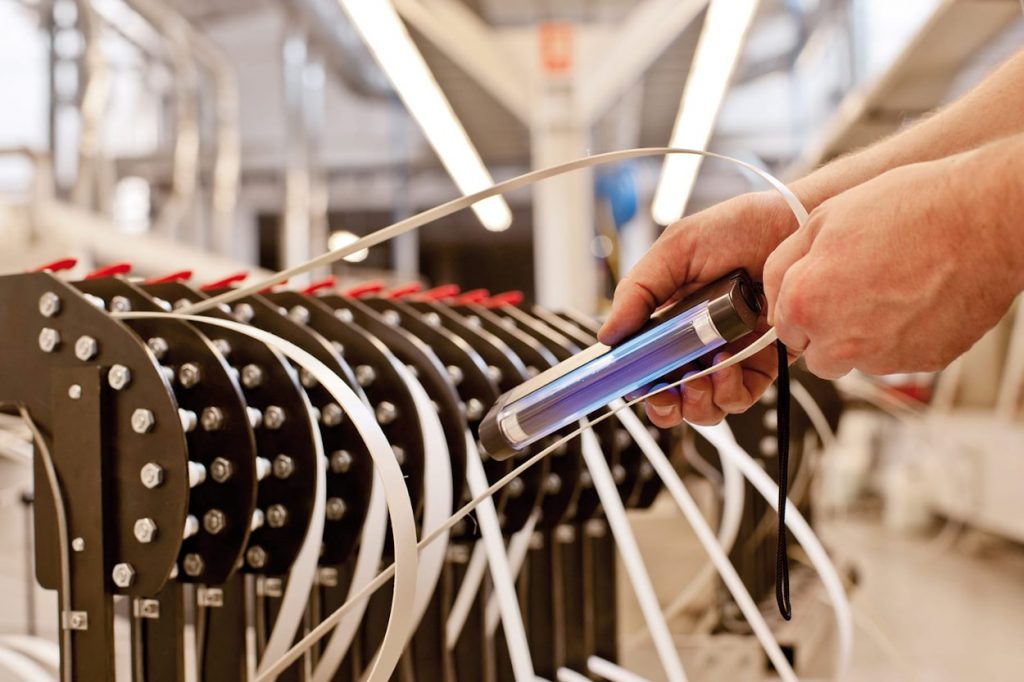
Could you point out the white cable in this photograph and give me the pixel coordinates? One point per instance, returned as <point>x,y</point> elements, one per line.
<point>403,524</point>
<point>497,561</point>
<point>721,436</point>
<point>302,576</point>
<point>706,537</point>
<point>466,596</point>
<point>611,672</point>
<point>518,547</point>
<point>629,552</point>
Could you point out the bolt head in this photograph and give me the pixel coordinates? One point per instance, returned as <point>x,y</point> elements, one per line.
<point>516,487</point>
<point>252,376</point>
<point>336,508</point>
<point>49,304</point>
<point>120,304</point>
<point>222,346</point>
<point>123,575</point>
<point>214,521</point>
<point>300,314</point>
<point>256,556</point>
<point>49,339</point>
<point>455,374</point>
<point>474,409</point>
<point>341,461</point>
<point>220,469</point>
<point>189,374</point>
<point>118,377</point>
<point>158,346</point>
<point>193,565</point>
<point>142,420</point>
<point>273,417</point>
<point>151,475</point>
<point>78,544</point>
<point>277,515</point>
<point>331,414</point>
<point>244,312</point>
<point>306,378</point>
<point>74,391</point>
<point>145,530</point>
<point>365,375</point>
<point>86,348</point>
<point>284,466</point>
<point>386,412</point>
<point>211,419</point>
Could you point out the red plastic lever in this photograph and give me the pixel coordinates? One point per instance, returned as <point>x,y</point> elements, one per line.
<point>236,278</point>
<point>365,289</point>
<point>473,296</point>
<point>110,271</point>
<point>440,293</point>
<point>406,290</point>
<point>179,276</point>
<point>57,265</point>
<point>328,282</point>
<point>514,297</point>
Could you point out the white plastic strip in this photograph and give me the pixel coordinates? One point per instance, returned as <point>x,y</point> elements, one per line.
<point>707,539</point>
<point>518,547</point>
<point>566,675</point>
<point>302,576</point>
<point>497,560</point>
<point>464,600</point>
<point>403,525</point>
<point>629,552</point>
<point>611,671</point>
<point>721,437</point>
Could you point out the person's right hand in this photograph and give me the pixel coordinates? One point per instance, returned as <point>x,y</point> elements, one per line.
<point>739,233</point>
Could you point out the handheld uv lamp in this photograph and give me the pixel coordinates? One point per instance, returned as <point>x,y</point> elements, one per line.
<point>692,328</point>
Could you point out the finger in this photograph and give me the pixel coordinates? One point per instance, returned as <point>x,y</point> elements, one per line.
<point>791,250</point>
<point>729,392</point>
<point>698,406</point>
<point>793,315</point>
<point>825,364</point>
<point>665,409</point>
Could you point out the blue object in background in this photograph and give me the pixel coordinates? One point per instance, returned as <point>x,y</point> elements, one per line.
<point>617,185</point>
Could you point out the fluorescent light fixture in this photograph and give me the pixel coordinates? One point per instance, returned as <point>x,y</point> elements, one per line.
<point>718,50</point>
<point>343,238</point>
<point>386,37</point>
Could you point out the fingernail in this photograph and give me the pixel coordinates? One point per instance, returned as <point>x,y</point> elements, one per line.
<point>662,410</point>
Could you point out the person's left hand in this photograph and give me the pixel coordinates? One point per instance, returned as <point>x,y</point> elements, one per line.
<point>900,274</point>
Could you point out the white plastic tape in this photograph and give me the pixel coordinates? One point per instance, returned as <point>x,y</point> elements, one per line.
<point>472,579</point>
<point>518,547</point>
<point>629,552</point>
<point>403,525</point>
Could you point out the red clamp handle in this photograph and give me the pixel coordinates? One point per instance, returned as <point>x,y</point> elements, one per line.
<point>440,293</point>
<point>365,289</point>
<point>57,265</point>
<point>514,297</point>
<point>405,290</point>
<point>236,278</point>
<point>473,296</point>
<point>111,270</point>
<point>179,276</point>
<point>328,282</point>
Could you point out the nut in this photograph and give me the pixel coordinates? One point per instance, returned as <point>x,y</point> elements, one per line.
<point>284,466</point>
<point>222,346</point>
<point>386,412</point>
<point>220,469</point>
<point>123,575</point>
<point>243,312</point>
<point>214,521</point>
<point>75,391</point>
<point>273,417</point>
<point>118,377</point>
<point>120,304</point>
<point>365,375</point>
<point>516,487</point>
<point>256,556</point>
<point>189,374</point>
<point>306,378</point>
<point>392,318</point>
<point>455,374</point>
<point>331,414</point>
<point>158,346</point>
<point>145,530</point>
<point>336,508</point>
<point>252,376</point>
<point>49,339</point>
<point>211,419</point>
<point>344,314</point>
<point>193,565</point>
<point>474,409</point>
<point>341,461</point>
<point>86,348</point>
<point>49,304</point>
<point>277,515</point>
<point>78,544</point>
<point>142,420</point>
<point>299,314</point>
<point>151,475</point>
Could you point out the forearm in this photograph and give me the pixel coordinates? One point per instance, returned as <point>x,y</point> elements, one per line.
<point>990,111</point>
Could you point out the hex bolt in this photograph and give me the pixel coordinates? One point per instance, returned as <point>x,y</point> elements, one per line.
<point>120,304</point>
<point>455,374</point>
<point>189,374</point>
<point>75,391</point>
<point>273,417</point>
<point>341,461</point>
<point>331,414</point>
<point>78,544</point>
<point>306,378</point>
<point>151,474</point>
<point>344,314</point>
<point>49,339</point>
<point>86,348</point>
<point>222,346</point>
<point>211,418</point>
<point>516,487</point>
<point>191,527</point>
<point>252,376</point>
<point>145,530</point>
<point>196,474</point>
<point>255,417</point>
<point>433,319</point>
<point>365,375</point>
<point>256,556</point>
<point>143,420</point>
<point>392,318</point>
<point>118,377</point>
<point>386,412</point>
<point>336,508</point>
<point>158,346</point>
<point>189,420</point>
<point>244,313</point>
<point>214,521</point>
<point>263,468</point>
<point>257,520</point>
<point>284,466</point>
<point>49,304</point>
<point>220,469</point>
<point>494,373</point>
<point>193,565</point>
<point>474,409</point>
<point>300,314</point>
<point>277,515</point>
<point>123,575</point>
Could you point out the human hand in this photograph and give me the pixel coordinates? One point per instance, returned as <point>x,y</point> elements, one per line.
<point>902,273</point>
<point>739,233</point>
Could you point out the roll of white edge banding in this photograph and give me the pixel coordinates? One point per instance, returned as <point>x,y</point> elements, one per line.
<point>403,525</point>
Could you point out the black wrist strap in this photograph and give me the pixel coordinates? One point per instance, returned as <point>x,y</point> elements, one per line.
<point>782,556</point>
